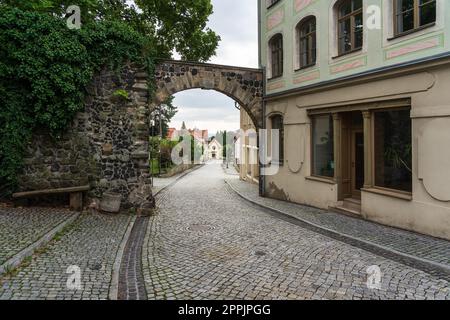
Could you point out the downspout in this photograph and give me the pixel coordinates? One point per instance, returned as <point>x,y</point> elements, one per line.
<point>262,179</point>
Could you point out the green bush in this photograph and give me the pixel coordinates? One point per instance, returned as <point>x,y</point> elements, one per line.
<point>44,71</point>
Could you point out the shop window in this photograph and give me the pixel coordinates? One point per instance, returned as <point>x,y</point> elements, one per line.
<point>393,150</point>
<point>323,146</point>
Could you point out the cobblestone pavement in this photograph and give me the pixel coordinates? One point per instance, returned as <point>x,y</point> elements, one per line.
<point>91,243</point>
<point>206,242</point>
<point>19,228</point>
<point>425,247</point>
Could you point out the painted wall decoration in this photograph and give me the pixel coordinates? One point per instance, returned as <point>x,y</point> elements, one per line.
<point>275,85</point>
<point>301,4</point>
<point>275,19</point>
<point>307,77</point>
<point>413,47</point>
<point>348,65</point>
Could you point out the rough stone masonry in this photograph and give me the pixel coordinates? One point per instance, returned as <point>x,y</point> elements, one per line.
<point>106,146</point>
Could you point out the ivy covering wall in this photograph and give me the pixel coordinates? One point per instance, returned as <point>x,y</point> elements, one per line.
<point>45,67</point>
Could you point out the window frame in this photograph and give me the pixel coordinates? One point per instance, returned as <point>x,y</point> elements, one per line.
<point>416,19</point>
<point>280,137</point>
<point>311,38</point>
<point>312,167</point>
<point>279,51</point>
<point>351,17</point>
<point>272,3</point>
<point>373,151</point>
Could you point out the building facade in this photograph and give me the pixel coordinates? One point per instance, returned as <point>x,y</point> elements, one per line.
<point>215,150</point>
<point>246,149</point>
<point>359,91</point>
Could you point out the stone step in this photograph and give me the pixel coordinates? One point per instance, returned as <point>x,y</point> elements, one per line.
<point>352,204</point>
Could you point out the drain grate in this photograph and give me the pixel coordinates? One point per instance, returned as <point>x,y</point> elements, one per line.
<point>199,227</point>
<point>260,253</point>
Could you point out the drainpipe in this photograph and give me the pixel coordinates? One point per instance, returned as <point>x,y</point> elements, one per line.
<point>262,179</point>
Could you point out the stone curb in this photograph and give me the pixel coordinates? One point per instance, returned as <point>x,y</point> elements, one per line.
<point>366,244</point>
<point>178,178</point>
<point>114,287</point>
<point>17,259</point>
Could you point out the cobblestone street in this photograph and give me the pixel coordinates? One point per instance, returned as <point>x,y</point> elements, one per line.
<point>91,243</point>
<point>207,243</point>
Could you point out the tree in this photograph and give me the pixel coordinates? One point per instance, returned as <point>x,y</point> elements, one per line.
<point>173,25</point>
<point>164,114</point>
<point>45,67</point>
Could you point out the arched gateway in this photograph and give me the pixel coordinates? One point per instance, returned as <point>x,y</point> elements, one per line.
<point>107,145</point>
<point>244,85</point>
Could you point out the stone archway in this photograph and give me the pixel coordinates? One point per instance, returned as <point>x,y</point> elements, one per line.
<point>107,145</point>
<point>244,85</point>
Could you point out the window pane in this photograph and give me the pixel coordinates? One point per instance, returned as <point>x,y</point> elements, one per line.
<point>344,36</point>
<point>428,12</point>
<point>358,31</point>
<point>393,150</point>
<point>357,4</point>
<point>277,124</point>
<point>405,21</point>
<point>323,146</point>
<point>404,5</point>
<point>345,8</point>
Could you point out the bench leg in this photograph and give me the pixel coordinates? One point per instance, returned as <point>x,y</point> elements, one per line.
<point>76,201</point>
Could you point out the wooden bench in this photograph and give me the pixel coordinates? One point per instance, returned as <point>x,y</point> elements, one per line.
<point>76,195</point>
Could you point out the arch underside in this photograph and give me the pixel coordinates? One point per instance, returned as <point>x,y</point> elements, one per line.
<point>243,85</point>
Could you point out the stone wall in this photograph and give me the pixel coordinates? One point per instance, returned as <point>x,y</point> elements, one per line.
<point>106,146</point>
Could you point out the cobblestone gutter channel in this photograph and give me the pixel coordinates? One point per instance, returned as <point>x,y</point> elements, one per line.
<point>131,280</point>
<point>131,285</point>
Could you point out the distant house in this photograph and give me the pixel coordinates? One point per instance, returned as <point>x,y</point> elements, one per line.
<point>215,150</point>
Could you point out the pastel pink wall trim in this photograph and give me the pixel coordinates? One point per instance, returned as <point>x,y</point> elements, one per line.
<point>275,19</point>
<point>274,86</point>
<point>412,48</point>
<point>308,77</point>
<point>348,66</point>
<point>301,4</point>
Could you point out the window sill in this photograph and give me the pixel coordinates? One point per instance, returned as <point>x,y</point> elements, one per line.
<point>390,193</point>
<point>320,179</point>
<point>310,66</point>
<point>275,78</point>
<point>346,53</point>
<point>403,34</point>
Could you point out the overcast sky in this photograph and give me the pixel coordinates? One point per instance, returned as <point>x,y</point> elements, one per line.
<point>236,23</point>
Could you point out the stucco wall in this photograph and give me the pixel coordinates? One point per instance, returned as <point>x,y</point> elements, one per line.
<point>429,209</point>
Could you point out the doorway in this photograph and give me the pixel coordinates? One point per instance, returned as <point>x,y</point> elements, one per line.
<point>357,163</point>
<point>352,147</point>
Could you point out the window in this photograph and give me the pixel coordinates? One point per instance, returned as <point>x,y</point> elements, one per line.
<point>277,124</point>
<point>413,14</point>
<point>323,146</point>
<point>350,25</point>
<point>307,52</point>
<point>276,56</point>
<point>393,150</point>
<point>270,3</point>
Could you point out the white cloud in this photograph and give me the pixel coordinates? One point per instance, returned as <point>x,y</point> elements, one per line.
<point>236,22</point>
